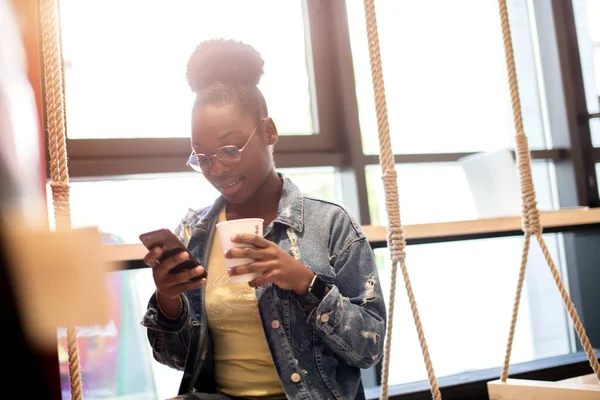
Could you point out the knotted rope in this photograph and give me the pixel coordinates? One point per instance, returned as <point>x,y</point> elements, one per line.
<point>530,213</point>
<point>396,241</point>
<point>59,173</point>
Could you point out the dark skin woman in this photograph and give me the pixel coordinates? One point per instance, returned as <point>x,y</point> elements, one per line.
<point>315,315</point>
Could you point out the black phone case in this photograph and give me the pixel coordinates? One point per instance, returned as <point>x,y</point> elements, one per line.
<point>183,266</point>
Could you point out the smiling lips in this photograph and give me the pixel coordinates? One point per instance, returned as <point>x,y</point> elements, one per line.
<point>231,187</point>
<point>224,186</point>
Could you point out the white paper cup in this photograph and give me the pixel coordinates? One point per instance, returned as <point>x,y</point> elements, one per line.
<point>228,229</point>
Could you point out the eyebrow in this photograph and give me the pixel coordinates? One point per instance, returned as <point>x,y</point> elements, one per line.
<point>223,135</point>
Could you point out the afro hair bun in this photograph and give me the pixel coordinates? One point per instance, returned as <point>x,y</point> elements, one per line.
<point>224,61</point>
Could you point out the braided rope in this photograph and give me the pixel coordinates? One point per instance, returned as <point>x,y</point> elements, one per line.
<point>59,174</point>
<point>396,239</point>
<point>530,212</point>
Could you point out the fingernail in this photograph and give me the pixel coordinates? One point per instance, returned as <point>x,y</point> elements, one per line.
<point>229,271</point>
<point>233,238</point>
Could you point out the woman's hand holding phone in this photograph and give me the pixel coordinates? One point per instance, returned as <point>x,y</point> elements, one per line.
<point>171,285</point>
<point>174,270</point>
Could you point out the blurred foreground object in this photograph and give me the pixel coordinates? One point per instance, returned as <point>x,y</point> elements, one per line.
<point>59,279</point>
<point>40,366</point>
<point>46,277</point>
<point>20,189</point>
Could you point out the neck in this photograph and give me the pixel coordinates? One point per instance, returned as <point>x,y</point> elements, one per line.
<point>263,204</point>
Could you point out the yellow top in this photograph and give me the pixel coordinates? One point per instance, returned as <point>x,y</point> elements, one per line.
<point>243,363</point>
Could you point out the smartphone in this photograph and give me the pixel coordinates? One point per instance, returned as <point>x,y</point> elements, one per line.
<point>170,245</point>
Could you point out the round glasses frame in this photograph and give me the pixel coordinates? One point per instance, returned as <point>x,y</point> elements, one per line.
<point>227,155</point>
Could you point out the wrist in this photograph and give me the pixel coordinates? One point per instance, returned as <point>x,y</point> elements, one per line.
<point>304,283</point>
<point>171,308</point>
<point>317,290</point>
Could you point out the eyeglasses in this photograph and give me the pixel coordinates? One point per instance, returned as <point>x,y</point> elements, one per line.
<point>227,155</point>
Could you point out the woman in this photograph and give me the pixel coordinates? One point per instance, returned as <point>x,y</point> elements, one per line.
<point>315,315</point>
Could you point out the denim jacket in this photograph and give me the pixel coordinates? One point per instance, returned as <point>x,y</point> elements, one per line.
<point>317,355</point>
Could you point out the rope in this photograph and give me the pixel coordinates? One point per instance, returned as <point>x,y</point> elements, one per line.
<point>59,174</point>
<point>530,212</point>
<point>396,241</point>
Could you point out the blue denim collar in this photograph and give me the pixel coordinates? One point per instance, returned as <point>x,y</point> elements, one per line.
<point>291,206</point>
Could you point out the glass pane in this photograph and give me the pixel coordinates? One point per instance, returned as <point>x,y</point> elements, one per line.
<point>130,206</point>
<point>441,192</point>
<point>587,19</point>
<point>446,87</point>
<point>464,293</point>
<point>126,61</point>
<point>116,360</point>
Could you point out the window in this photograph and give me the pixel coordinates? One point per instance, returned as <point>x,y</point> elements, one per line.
<point>166,380</point>
<point>130,79</point>
<point>446,195</point>
<point>587,18</point>
<point>447,92</point>
<point>452,280</point>
<point>464,292</point>
<point>127,99</point>
<point>446,86</point>
<point>115,360</point>
<point>129,206</point>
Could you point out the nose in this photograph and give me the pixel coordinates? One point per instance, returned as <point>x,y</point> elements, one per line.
<point>218,168</point>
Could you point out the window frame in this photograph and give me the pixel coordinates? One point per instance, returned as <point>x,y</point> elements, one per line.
<point>339,142</point>
<point>93,157</point>
<point>565,84</point>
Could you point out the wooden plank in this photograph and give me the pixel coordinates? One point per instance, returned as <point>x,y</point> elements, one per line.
<point>125,252</point>
<point>522,389</point>
<point>590,379</point>
<point>548,219</point>
<point>584,216</point>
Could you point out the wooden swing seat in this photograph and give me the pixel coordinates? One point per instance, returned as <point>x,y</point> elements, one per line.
<point>585,387</point>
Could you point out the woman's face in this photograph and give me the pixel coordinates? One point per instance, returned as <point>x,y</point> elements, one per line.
<point>216,127</point>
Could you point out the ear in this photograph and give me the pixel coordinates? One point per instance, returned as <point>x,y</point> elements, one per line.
<point>271,133</point>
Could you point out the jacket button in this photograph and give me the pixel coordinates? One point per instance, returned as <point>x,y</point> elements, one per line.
<point>324,317</point>
<point>275,324</point>
<point>295,377</point>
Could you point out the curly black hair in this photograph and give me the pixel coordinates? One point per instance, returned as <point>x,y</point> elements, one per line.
<point>222,71</point>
